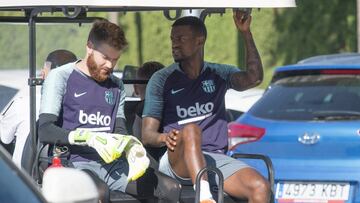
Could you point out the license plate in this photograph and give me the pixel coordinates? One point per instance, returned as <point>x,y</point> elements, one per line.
<point>312,191</point>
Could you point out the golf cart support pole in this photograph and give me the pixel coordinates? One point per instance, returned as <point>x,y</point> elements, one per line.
<point>220,184</point>
<point>32,76</point>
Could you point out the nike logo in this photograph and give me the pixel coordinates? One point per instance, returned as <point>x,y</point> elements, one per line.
<point>176,91</point>
<point>79,95</point>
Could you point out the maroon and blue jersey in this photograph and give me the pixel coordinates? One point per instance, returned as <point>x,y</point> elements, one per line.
<point>176,100</point>
<point>81,102</point>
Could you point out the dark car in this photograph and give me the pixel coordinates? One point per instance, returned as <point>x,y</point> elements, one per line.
<point>18,187</point>
<point>308,123</point>
<point>15,185</point>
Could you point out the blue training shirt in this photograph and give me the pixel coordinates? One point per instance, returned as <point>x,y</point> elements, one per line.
<point>176,100</point>
<point>81,102</point>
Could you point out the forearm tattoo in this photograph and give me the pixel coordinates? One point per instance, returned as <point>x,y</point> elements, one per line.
<point>254,70</point>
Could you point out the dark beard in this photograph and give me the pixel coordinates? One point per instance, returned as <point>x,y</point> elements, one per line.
<point>94,70</point>
<point>178,60</point>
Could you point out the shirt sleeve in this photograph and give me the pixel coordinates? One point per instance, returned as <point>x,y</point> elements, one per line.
<point>154,100</point>
<point>225,71</point>
<point>120,112</point>
<point>12,118</point>
<point>53,90</point>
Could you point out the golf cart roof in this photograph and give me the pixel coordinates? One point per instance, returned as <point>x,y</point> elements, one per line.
<point>105,5</point>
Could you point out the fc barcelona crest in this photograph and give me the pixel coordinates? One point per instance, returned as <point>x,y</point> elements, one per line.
<point>109,97</point>
<point>208,86</point>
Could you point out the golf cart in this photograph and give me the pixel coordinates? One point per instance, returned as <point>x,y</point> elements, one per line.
<point>76,12</point>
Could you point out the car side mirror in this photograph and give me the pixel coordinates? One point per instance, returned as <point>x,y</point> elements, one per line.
<point>62,185</point>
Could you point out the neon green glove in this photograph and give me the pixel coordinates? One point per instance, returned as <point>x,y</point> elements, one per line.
<point>138,162</point>
<point>109,146</point>
<point>137,159</point>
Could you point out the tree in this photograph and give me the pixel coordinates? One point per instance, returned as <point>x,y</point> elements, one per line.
<point>314,28</point>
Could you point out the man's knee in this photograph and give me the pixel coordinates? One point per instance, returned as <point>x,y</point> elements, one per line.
<point>190,133</point>
<point>256,187</point>
<point>261,190</point>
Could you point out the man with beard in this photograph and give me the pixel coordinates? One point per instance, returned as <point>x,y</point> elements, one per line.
<point>187,99</point>
<point>82,107</point>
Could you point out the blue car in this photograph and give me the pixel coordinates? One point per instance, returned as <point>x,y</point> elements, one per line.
<point>308,123</point>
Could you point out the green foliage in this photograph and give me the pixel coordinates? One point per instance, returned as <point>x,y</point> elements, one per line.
<point>14,47</point>
<point>314,28</point>
<point>283,36</point>
<point>152,41</point>
<point>156,38</point>
<point>221,44</point>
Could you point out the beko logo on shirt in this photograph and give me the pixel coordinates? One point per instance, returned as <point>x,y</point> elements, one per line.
<point>196,110</point>
<point>94,119</point>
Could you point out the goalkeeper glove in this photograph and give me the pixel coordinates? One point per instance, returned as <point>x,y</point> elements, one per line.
<point>137,159</point>
<point>109,146</point>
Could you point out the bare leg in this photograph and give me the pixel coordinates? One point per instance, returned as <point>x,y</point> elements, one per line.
<point>187,159</point>
<point>247,183</point>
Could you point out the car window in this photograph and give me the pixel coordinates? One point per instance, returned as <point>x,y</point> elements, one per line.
<point>311,97</point>
<point>232,115</point>
<point>129,74</point>
<point>6,94</point>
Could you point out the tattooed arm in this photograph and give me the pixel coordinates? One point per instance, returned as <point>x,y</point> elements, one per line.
<point>253,75</point>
